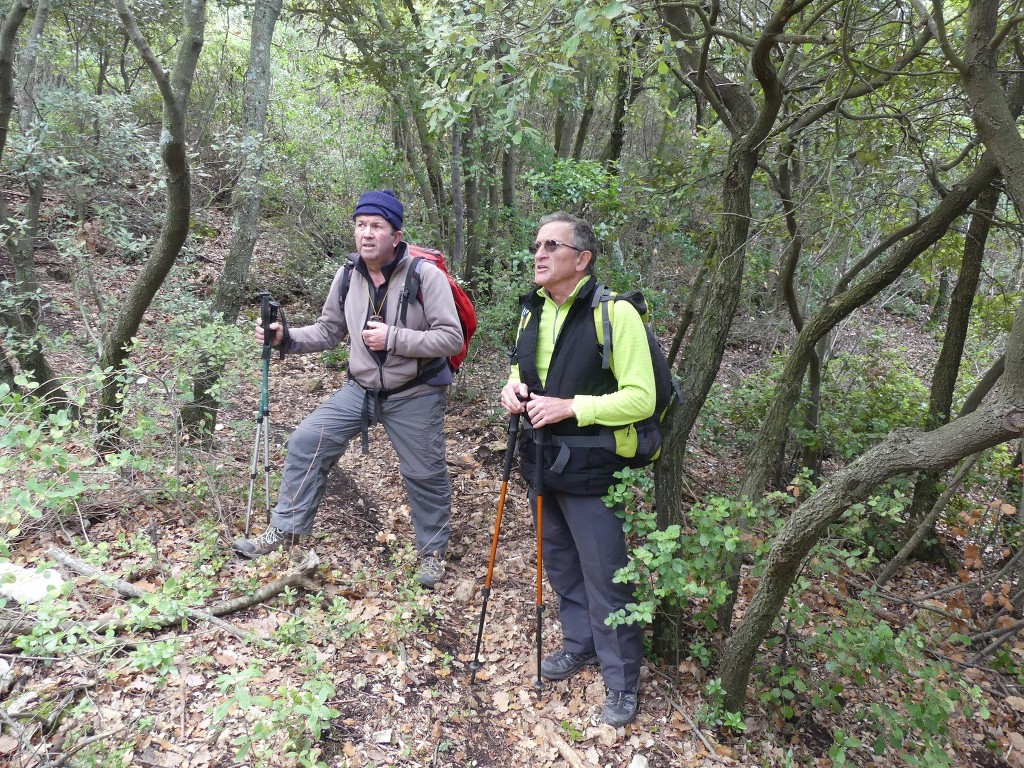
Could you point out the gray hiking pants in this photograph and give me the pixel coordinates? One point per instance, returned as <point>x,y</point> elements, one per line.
<point>415,426</point>
<point>583,547</point>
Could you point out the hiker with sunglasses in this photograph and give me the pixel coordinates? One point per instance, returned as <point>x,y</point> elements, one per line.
<point>559,382</point>
<point>398,376</point>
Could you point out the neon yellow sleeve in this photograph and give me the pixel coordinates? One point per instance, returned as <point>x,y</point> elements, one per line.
<point>633,370</point>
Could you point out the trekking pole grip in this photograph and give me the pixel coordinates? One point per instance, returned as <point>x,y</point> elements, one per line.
<point>513,433</point>
<point>268,316</point>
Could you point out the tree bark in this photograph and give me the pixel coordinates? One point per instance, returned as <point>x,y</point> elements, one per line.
<point>474,208</point>
<point>627,86</point>
<point>562,131</point>
<point>586,116</point>
<point>458,249</point>
<point>993,115</point>
<point>247,195</point>
<point>8,43</point>
<point>20,236</point>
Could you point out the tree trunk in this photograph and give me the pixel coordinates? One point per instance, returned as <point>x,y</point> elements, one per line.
<point>993,114</point>
<point>247,195</point>
<point>405,145</point>
<point>7,372</point>
<point>586,116</point>
<point>246,201</point>
<point>627,85</point>
<point>20,237</point>
<point>474,207</point>
<point>508,182</point>
<point>947,367</point>
<point>8,42</point>
<point>174,90</point>
<point>562,132</point>
<point>458,250</point>
<point>721,292</point>
<point>942,295</point>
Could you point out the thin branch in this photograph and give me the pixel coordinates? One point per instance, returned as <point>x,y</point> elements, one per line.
<point>937,25</point>
<point>160,74</point>
<point>928,522</point>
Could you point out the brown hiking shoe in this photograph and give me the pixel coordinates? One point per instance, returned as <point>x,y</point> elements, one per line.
<point>269,541</point>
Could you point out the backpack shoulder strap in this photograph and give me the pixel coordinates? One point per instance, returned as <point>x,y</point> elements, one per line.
<point>411,288</point>
<point>346,280</point>
<point>603,297</point>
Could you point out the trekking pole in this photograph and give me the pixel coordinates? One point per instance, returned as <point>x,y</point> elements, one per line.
<point>268,315</point>
<point>539,487</point>
<point>485,591</point>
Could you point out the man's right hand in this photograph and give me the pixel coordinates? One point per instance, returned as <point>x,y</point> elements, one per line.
<point>513,397</point>
<point>276,338</point>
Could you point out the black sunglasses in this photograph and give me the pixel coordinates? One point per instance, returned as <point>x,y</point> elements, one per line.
<point>550,246</point>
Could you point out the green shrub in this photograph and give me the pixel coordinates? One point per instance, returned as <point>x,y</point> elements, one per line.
<point>679,566</point>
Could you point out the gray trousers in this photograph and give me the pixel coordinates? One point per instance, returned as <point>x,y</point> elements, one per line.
<point>415,426</point>
<point>583,548</point>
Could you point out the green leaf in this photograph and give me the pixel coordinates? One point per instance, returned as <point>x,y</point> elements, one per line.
<point>614,9</point>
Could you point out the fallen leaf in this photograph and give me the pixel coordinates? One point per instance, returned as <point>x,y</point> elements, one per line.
<point>1017,703</point>
<point>502,701</point>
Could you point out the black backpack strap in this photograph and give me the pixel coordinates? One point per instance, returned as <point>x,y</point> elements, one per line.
<point>412,288</point>
<point>346,282</point>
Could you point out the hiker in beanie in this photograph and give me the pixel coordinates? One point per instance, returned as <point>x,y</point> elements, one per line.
<point>398,376</point>
<point>559,381</point>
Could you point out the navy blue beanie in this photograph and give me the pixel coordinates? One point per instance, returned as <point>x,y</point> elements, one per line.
<point>383,203</point>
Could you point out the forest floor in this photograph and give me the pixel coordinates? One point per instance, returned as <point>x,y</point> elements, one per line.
<point>397,657</point>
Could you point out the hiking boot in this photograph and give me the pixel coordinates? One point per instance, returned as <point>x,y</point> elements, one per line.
<point>431,570</point>
<point>562,664</point>
<point>269,541</point>
<point>620,708</point>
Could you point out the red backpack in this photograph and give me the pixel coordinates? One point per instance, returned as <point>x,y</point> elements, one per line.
<point>463,304</point>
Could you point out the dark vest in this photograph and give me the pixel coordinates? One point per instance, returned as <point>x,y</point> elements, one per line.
<point>575,369</point>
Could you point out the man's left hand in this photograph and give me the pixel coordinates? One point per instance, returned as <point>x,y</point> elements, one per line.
<point>544,410</point>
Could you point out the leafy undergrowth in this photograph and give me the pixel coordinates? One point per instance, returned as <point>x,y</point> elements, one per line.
<point>364,668</point>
